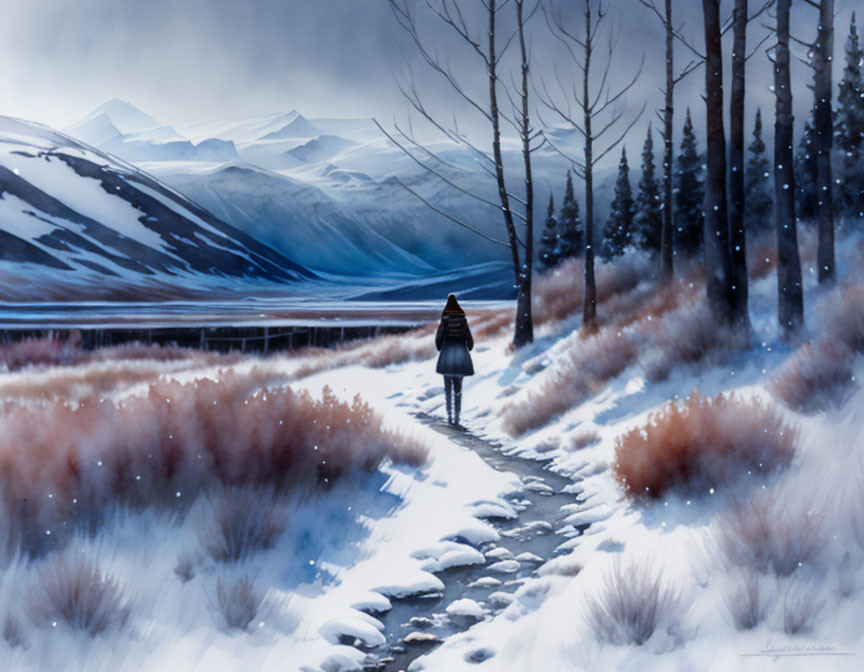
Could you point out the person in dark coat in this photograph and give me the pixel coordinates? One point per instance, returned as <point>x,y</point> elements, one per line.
<point>453,339</point>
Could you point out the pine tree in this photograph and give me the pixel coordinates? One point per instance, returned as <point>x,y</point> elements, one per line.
<point>758,185</point>
<point>548,258</point>
<point>689,194</point>
<point>649,215</point>
<point>806,193</point>
<point>570,225</point>
<point>849,128</point>
<point>619,227</point>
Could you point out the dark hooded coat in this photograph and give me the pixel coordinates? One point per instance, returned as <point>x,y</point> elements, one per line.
<point>453,339</point>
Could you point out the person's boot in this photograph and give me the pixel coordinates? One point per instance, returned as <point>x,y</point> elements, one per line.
<point>458,405</point>
<point>448,395</point>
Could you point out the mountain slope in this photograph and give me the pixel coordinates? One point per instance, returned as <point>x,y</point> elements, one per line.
<point>73,212</point>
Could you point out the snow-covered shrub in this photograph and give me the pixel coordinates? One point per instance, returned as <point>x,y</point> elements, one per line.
<point>801,608</point>
<point>689,335</point>
<point>631,603</point>
<point>700,444</point>
<point>62,464</point>
<point>769,535</point>
<point>13,632</point>
<point>73,590</point>
<point>242,521</point>
<point>747,604</point>
<point>237,602</point>
<point>583,370</point>
<point>817,376</point>
<point>187,561</point>
<point>842,317</point>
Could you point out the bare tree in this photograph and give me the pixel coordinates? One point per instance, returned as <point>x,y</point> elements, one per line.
<point>823,55</point>
<point>737,230</point>
<point>718,259</point>
<point>484,46</point>
<point>667,243</point>
<point>790,297</point>
<point>601,106</point>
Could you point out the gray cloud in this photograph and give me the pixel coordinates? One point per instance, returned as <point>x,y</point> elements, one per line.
<point>196,60</point>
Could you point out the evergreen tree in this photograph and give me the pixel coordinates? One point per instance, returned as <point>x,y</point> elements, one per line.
<point>849,128</point>
<point>649,215</point>
<point>689,194</point>
<point>758,184</point>
<point>619,227</point>
<point>548,258</point>
<point>806,193</point>
<point>570,225</point>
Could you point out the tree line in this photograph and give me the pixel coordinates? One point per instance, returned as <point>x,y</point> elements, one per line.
<point>702,203</point>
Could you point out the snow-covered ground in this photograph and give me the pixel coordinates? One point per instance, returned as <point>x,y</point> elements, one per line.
<point>348,552</point>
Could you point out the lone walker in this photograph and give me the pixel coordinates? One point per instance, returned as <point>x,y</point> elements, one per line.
<point>454,340</point>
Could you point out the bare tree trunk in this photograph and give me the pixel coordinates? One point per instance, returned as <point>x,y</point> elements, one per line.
<point>824,127</point>
<point>589,308</point>
<point>737,233</point>
<point>667,242</point>
<point>523,297</point>
<point>524,332</point>
<point>790,310</point>
<point>717,258</point>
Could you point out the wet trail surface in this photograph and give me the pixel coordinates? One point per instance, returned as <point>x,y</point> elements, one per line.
<point>416,625</point>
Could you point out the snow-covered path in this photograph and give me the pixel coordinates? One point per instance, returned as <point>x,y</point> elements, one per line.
<point>531,531</point>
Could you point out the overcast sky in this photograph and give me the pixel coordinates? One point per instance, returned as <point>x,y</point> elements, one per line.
<point>188,61</point>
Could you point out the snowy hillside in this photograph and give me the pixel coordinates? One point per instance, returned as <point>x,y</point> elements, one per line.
<point>325,192</point>
<point>71,214</point>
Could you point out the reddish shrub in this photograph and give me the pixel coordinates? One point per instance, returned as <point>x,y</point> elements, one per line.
<point>62,462</point>
<point>702,443</point>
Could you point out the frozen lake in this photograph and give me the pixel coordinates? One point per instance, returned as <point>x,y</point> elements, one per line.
<point>245,312</point>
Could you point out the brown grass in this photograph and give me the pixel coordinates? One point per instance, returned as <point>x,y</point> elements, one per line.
<point>630,605</point>
<point>583,371</point>
<point>687,336</point>
<point>747,605</point>
<point>243,521</point>
<point>54,350</point>
<point>700,444</point>
<point>237,602</point>
<point>77,593</point>
<point>414,345</point>
<point>63,463</point>
<point>818,376</point>
<point>800,609</point>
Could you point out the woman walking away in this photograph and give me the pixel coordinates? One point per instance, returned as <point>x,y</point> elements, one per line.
<point>454,340</point>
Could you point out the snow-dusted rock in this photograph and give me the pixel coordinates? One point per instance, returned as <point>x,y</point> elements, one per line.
<point>505,567</point>
<point>466,608</point>
<point>356,628</point>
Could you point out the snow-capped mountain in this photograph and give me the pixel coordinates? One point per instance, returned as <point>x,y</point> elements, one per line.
<point>71,212</point>
<point>327,192</point>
